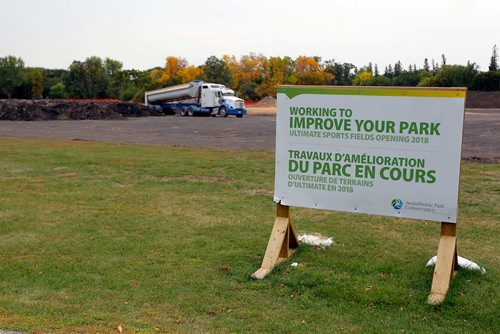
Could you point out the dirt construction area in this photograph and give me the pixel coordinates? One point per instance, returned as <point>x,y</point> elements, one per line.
<point>255,131</point>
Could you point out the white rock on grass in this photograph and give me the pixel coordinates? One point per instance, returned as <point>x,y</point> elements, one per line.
<point>316,240</point>
<point>462,263</point>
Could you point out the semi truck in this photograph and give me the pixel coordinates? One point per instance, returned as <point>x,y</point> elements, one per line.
<point>197,97</point>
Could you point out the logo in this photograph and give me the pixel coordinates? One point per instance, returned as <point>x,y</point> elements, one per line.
<point>397,203</point>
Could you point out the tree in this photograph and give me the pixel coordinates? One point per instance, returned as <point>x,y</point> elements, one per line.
<point>488,81</point>
<point>362,79</point>
<point>74,81</point>
<point>58,91</point>
<point>217,71</point>
<point>398,68</point>
<point>452,76</point>
<point>443,58</point>
<point>389,72</point>
<point>190,73</point>
<point>115,77</point>
<point>380,80</point>
<point>32,84</point>
<point>309,73</point>
<point>11,70</point>
<point>376,74</point>
<point>51,77</point>
<point>37,84</point>
<point>426,65</point>
<point>304,64</point>
<point>277,71</point>
<point>410,79</point>
<point>248,91</point>
<point>96,80</point>
<point>435,66</point>
<point>494,60</point>
<point>234,68</point>
<point>91,78</point>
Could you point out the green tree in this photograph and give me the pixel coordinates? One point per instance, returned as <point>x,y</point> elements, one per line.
<point>58,91</point>
<point>389,71</point>
<point>87,79</point>
<point>452,76</point>
<point>96,80</point>
<point>52,77</point>
<point>11,74</point>
<point>410,79</point>
<point>128,93</point>
<point>74,81</point>
<point>217,71</point>
<point>435,66</point>
<point>248,91</point>
<point>426,65</point>
<point>494,60</point>
<point>115,77</point>
<point>488,81</point>
<point>380,80</point>
<point>398,68</point>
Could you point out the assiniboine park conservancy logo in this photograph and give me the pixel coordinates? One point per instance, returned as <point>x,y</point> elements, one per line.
<point>397,203</point>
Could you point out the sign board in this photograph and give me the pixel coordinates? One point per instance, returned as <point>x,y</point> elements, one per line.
<point>389,151</point>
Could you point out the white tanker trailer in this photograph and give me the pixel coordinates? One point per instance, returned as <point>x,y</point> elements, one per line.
<point>197,97</point>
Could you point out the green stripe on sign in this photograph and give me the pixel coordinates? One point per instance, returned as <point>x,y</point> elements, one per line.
<point>293,91</point>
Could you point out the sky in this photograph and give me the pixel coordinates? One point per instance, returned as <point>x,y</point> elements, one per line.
<point>141,34</point>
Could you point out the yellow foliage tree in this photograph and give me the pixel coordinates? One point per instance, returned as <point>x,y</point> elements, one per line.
<point>156,75</point>
<point>252,66</point>
<point>304,64</point>
<point>308,72</point>
<point>234,68</point>
<point>172,67</point>
<point>190,73</point>
<point>362,78</point>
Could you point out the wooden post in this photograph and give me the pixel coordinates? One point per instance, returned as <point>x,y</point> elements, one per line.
<point>446,264</point>
<point>282,243</point>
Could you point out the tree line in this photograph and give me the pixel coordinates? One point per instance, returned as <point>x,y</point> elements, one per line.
<point>253,76</point>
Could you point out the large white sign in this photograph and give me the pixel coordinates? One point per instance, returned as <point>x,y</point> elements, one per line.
<point>390,151</point>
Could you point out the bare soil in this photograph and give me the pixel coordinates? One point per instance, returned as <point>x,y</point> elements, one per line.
<point>254,132</point>
<point>42,110</point>
<point>483,100</point>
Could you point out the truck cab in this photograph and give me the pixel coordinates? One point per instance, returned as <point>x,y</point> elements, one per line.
<point>231,104</point>
<point>211,95</point>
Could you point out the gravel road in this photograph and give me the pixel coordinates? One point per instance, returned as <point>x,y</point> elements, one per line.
<point>254,132</point>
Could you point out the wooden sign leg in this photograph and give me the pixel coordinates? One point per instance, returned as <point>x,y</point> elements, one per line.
<point>446,264</point>
<point>282,243</point>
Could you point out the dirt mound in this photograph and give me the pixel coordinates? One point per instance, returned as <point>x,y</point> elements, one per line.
<point>483,99</point>
<point>39,110</point>
<point>268,101</point>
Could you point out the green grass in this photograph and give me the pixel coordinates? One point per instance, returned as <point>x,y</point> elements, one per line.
<point>163,240</point>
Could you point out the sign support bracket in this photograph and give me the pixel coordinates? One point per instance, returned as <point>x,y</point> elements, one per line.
<point>446,264</point>
<point>282,243</point>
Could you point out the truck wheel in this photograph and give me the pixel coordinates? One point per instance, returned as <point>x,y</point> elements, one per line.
<point>183,112</point>
<point>190,112</point>
<point>223,111</point>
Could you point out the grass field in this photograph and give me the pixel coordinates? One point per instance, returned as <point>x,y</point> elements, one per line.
<point>164,240</point>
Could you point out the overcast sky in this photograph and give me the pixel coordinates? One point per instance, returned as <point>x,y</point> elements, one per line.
<point>141,34</point>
